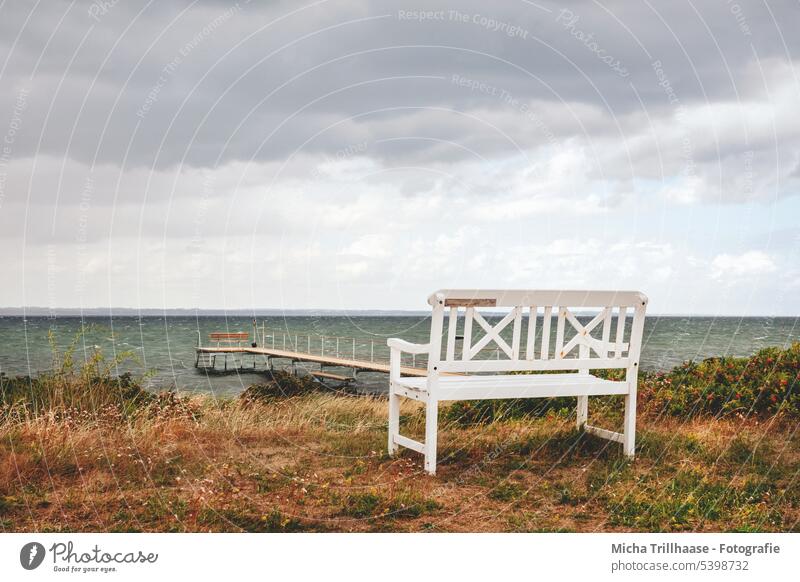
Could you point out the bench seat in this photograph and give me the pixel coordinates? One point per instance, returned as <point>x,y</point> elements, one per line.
<point>510,386</point>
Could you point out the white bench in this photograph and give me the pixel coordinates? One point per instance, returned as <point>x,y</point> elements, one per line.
<point>600,339</point>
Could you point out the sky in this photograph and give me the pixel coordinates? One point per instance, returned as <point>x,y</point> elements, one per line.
<point>360,155</point>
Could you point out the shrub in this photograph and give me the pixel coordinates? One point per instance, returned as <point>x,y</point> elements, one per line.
<point>766,383</point>
<point>88,386</point>
<point>281,384</point>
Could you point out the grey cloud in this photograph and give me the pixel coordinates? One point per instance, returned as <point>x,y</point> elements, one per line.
<point>212,94</point>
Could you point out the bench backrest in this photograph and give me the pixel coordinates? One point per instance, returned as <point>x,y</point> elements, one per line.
<point>537,330</point>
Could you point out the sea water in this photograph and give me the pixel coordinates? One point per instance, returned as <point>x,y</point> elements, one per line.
<point>163,348</point>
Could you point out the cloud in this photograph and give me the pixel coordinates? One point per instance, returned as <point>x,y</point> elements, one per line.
<point>748,264</point>
<point>258,81</point>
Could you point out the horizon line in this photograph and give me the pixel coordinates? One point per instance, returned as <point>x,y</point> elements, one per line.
<point>38,311</point>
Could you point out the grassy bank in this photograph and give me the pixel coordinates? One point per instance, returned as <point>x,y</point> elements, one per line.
<point>83,451</point>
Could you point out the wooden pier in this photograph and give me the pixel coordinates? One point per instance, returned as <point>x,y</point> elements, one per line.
<point>358,355</point>
<point>293,356</point>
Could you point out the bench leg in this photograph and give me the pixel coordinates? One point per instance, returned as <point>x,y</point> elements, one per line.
<point>431,424</point>
<point>394,419</point>
<point>629,432</point>
<point>582,412</point>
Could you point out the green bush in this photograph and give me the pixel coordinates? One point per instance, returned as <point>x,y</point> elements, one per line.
<point>281,384</point>
<point>84,386</point>
<point>764,384</point>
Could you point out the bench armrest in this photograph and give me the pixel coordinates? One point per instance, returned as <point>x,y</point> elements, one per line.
<point>408,347</point>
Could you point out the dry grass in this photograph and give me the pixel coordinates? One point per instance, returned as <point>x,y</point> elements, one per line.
<point>317,463</point>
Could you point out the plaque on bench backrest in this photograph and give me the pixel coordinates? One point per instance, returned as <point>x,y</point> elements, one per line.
<point>452,302</point>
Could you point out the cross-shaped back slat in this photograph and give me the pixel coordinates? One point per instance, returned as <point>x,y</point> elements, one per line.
<point>493,333</point>
<point>583,336</point>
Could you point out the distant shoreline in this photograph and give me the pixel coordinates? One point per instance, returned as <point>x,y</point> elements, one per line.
<point>130,312</point>
<point>96,312</point>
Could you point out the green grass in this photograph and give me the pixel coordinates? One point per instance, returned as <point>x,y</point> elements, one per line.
<point>507,492</point>
<point>243,519</point>
<point>362,505</point>
<point>690,500</point>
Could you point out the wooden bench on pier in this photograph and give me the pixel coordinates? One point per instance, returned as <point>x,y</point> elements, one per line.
<point>470,373</point>
<point>228,337</point>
